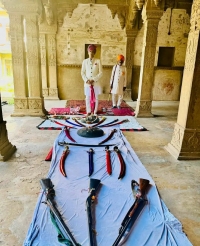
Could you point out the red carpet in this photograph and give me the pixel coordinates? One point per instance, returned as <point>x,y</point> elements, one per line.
<point>104,108</point>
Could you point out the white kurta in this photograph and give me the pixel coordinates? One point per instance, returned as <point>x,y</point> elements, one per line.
<point>91,70</point>
<point>118,77</point>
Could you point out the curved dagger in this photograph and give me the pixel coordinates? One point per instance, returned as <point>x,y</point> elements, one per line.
<point>118,123</point>
<point>109,137</point>
<point>122,163</point>
<point>109,123</point>
<point>68,134</point>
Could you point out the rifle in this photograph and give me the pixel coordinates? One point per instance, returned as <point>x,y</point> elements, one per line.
<point>139,192</point>
<point>47,187</point>
<point>94,184</point>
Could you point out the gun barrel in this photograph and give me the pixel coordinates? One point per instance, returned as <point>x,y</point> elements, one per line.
<point>89,216</point>
<point>62,224</point>
<point>47,186</point>
<point>133,215</point>
<point>94,184</point>
<point>134,211</point>
<point>83,145</point>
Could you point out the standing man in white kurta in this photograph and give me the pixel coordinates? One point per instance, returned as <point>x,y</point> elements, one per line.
<point>118,82</point>
<point>91,72</point>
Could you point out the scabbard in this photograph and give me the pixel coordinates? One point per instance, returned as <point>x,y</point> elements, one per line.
<point>83,145</point>
<point>68,134</point>
<point>122,163</point>
<point>62,161</point>
<point>49,156</point>
<point>91,163</point>
<point>109,123</point>
<point>58,123</point>
<point>108,161</point>
<point>118,123</point>
<point>109,137</point>
<point>78,122</point>
<point>71,123</point>
<point>100,122</point>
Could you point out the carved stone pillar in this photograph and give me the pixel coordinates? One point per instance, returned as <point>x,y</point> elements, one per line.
<point>185,143</point>
<point>151,19</point>
<point>18,60</point>
<point>53,90</point>
<point>129,61</point>
<point>131,33</point>
<point>35,100</point>
<point>48,30</point>
<point>6,148</point>
<point>42,40</point>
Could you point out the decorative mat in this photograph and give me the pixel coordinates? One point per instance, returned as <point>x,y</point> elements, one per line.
<point>104,111</point>
<point>104,108</point>
<point>102,104</point>
<point>131,125</point>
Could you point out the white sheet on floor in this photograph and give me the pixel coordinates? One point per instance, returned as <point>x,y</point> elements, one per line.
<point>156,226</point>
<point>131,124</point>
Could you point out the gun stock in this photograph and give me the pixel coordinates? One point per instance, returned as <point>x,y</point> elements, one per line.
<point>94,185</point>
<point>47,187</point>
<point>144,186</point>
<point>139,191</point>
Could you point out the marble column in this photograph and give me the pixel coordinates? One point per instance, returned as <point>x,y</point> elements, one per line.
<point>6,148</point>
<point>144,102</point>
<point>35,99</point>
<point>19,66</point>
<point>185,143</point>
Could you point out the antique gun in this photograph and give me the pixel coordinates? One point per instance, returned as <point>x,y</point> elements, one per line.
<point>94,184</point>
<point>139,192</point>
<point>47,187</point>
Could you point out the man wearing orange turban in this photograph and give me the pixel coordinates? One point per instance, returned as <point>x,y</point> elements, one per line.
<point>118,82</point>
<point>91,72</point>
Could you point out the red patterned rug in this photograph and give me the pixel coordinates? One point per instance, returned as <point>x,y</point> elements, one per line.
<point>104,108</point>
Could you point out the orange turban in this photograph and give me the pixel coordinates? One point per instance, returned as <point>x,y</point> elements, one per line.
<point>120,58</point>
<point>92,47</point>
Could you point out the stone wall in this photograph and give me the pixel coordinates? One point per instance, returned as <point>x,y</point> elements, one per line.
<point>88,24</point>
<point>173,31</point>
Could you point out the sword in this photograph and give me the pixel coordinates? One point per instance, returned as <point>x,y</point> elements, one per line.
<point>84,145</point>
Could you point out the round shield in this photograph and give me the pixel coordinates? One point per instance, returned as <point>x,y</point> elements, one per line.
<point>90,132</point>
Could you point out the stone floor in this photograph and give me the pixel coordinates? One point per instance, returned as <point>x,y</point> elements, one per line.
<point>178,182</point>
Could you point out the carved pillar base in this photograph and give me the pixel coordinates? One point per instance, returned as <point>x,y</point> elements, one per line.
<point>143,109</point>
<point>36,106</point>
<point>29,107</point>
<point>53,94</point>
<point>6,148</point>
<point>185,143</point>
<point>20,106</point>
<point>45,92</point>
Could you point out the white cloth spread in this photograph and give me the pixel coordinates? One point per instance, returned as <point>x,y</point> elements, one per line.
<point>156,226</point>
